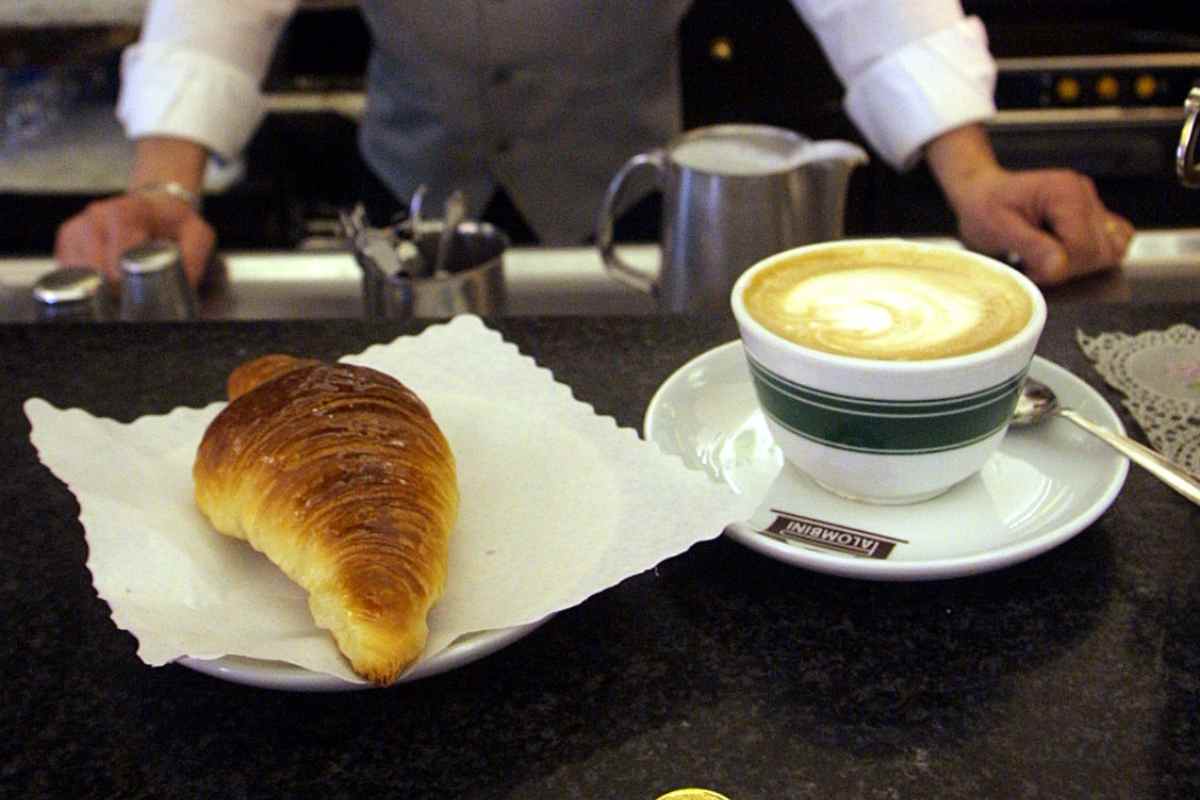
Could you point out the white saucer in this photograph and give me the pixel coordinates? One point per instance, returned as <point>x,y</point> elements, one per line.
<point>1046,484</point>
<point>289,677</point>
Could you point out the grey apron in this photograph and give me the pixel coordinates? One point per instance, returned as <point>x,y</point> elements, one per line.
<point>546,98</point>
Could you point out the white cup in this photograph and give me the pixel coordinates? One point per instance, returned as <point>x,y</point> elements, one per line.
<point>882,430</point>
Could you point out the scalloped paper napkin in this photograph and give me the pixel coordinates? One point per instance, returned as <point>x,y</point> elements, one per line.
<point>558,504</point>
<point>1159,374</point>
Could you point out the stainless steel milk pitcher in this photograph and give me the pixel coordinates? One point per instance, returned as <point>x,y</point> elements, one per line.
<point>1187,160</point>
<point>732,195</point>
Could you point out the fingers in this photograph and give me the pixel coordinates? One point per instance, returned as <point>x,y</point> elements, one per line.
<point>99,235</point>
<point>1074,213</point>
<point>1120,233</point>
<point>1044,258</point>
<point>196,242</point>
<point>1092,237</point>
<point>1053,219</point>
<point>124,226</point>
<point>80,243</point>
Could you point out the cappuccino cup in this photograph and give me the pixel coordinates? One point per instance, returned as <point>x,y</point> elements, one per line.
<point>887,370</point>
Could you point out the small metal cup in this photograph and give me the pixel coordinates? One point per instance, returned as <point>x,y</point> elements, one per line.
<point>472,281</point>
<point>70,294</point>
<point>153,286</point>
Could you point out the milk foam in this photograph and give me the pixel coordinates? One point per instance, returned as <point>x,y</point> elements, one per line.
<point>881,309</point>
<point>889,311</point>
<point>731,156</point>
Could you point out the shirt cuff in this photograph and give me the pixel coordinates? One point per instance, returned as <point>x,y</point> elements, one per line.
<point>944,81</point>
<point>168,91</point>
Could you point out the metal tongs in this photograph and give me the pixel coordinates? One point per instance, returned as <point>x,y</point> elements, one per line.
<point>396,249</point>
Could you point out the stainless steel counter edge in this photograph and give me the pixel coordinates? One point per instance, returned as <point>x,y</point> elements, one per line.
<point>1161,265</point>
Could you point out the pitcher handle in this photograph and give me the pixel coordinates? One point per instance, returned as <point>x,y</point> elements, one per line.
<point>617,267</point>
<point>1187,159</point>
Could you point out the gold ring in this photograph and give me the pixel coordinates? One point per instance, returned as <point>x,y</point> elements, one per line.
<point>692,794</point>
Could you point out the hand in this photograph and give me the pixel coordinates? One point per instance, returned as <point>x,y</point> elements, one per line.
<point>1052,219</point>
<point>98,235</point>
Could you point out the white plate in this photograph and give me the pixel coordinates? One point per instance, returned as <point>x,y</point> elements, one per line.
<point>280,675</point>
<point>1044,485</point>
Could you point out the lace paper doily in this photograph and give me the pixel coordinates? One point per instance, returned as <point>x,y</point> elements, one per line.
<point>1159,374</point>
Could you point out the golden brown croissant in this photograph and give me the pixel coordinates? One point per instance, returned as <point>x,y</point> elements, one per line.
<point>339,475</point>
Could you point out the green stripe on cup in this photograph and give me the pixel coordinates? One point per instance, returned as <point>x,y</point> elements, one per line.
<point>895,427</point>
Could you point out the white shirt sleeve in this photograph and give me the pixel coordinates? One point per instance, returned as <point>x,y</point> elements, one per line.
<point>197,69</point>
<point>912,70</point>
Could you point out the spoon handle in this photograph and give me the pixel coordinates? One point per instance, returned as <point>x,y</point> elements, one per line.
<point>1167,471</point>
<point>456,209</point>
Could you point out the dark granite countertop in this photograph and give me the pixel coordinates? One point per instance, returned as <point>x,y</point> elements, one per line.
<point>1073,675</point>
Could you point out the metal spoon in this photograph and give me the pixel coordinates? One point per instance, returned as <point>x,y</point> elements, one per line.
<point>373,250</point>
<point>415,204</point>
<point>1038,401</point>
<point>415,266</point>
<point>456,210</point>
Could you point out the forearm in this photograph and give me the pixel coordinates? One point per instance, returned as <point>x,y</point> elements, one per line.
<point>99,235</point>
<point>166,159</point>
<point>1052,220</point>
<point>958,156</point>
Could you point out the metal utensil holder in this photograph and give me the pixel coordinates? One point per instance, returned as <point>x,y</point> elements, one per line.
<point>472,280</point>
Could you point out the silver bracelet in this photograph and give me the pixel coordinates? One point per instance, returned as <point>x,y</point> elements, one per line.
<point>170,189</point>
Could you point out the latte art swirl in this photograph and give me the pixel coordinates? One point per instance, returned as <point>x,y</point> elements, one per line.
<point>885,313</point>
<point>890,311</point>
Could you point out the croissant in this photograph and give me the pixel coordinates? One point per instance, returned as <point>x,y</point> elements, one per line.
<point>340,476</point>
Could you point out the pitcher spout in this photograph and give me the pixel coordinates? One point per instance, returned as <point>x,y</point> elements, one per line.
<point>833,153</point>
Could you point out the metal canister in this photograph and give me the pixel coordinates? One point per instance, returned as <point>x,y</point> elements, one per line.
<point>471,280</point>
<point>70,294</point>
<point>153,285</point>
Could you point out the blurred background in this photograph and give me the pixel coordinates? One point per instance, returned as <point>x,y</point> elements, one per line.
<point>1097,85</point>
